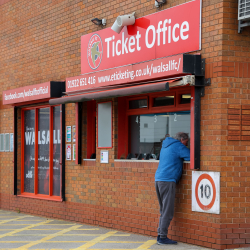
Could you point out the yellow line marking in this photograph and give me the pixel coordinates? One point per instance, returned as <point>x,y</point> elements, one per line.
<point>37,229</point>
<point>23,229</point>
<point>13,216</point>
<point>18,224</point>
<point>86,229</point>
<point>30,235</point>
<point>72,241</point>
<point>32,220</point>
<point>28,241</point>
<point>30,229</point>
<point>95,234</point>
<point>96,240</point>
<point>49,237</point>
<point>66,224</point>
<point>4,221</point>
<point>139,242</point>
<point>147,244</point>
<point>70,235</point>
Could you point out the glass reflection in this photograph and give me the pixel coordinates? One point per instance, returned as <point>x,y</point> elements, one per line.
<point>56,151</point>
<point>29,150</point>
<point>148,131</point>
<point>43,150</point>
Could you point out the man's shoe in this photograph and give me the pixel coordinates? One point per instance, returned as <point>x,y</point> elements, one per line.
<point>166,241</point>
<point>158,237</point>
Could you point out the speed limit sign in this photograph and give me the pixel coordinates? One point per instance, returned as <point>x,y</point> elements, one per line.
<point>206,192</point>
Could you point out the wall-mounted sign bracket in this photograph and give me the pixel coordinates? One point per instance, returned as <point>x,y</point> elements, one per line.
<point>205,82</point>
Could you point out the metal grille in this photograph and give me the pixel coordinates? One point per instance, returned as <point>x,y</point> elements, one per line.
<point>244,10</point>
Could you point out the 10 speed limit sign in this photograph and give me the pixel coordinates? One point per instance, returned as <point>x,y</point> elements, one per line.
<point>206,192</point>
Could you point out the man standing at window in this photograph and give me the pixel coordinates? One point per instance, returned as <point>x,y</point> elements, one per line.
<point>169,171</point>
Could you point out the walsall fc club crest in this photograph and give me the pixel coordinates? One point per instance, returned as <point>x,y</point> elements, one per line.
<point>95,50</point>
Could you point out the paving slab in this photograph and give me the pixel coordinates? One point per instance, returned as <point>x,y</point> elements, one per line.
<point>54,246</point>
<point>53,226</point>
<point>37,232</point>
<point>7,246</point>
<point>103,245</point>
<point>70,238</point>
<point>24,232</point>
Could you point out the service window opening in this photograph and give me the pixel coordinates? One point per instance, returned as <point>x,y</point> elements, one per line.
<point>147,131</point>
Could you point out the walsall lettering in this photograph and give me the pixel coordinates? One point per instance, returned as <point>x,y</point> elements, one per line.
<point>43,137</point>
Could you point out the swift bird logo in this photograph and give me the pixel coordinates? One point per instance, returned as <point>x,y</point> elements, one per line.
<point>94,51</point>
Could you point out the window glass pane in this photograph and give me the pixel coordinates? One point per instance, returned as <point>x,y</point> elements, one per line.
<point>1,142</point>
<point>7,142</point>
<point>43,151</point>
<point>56,151</point>
<point>148,131</point>
<point>11,142</point>
<point>185,98</point>
<point>163,101</point>
<point>138,104</point>
<point>29,150</point>
<point>105,124</point>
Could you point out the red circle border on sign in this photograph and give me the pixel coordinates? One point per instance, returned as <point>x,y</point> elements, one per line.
<point>208,177</point>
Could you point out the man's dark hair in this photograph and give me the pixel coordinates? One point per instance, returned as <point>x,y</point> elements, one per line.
<point>181,135</point>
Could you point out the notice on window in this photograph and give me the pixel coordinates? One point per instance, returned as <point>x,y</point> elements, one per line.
<point>74,152</point>
<point>74,133</point>
<point>104,156</point>
<point>68,133</point>
<point>68,152</point>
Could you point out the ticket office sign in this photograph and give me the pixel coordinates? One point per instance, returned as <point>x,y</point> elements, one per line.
<point>206,192</point>
<point>169,32</point>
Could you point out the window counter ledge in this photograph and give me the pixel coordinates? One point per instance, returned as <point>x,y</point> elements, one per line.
<point>89,159</point>
<point>125,160</point>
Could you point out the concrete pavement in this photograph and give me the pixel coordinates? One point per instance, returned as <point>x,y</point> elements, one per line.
<point>23,231</point>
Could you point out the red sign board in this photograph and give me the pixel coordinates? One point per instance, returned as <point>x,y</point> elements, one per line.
<point>169,32</point>
<point>27,93</point>
<point>163,67</point>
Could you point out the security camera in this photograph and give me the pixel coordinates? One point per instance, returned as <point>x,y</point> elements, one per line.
<point>122,21</point>
<point>159,3</point>
<point>104,21</point>
<point>98,21</point>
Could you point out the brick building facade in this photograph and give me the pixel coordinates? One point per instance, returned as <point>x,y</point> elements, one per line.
<point>41,42</point>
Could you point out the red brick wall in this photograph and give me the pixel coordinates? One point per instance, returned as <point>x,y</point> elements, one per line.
<point>227,57</point>
<point>40,41</point>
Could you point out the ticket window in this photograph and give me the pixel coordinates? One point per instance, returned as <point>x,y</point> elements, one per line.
<point>150,119</point>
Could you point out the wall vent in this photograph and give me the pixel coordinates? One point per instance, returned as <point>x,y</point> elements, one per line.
<point>244,10</point>
<point>243,14</point>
